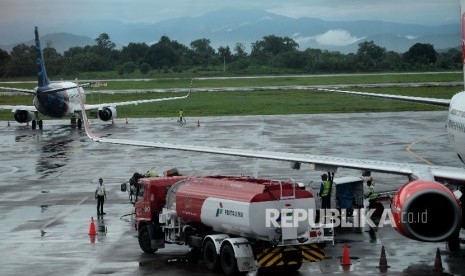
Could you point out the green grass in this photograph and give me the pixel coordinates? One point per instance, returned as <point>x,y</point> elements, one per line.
<point>171,81</point>
<point>263,102</point>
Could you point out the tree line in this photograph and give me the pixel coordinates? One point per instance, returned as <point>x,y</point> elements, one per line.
<point>271,54</point>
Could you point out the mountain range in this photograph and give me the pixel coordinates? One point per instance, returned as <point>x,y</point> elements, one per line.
<point>228,27</point>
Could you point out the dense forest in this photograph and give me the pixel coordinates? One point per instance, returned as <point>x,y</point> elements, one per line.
<point>271,54</point>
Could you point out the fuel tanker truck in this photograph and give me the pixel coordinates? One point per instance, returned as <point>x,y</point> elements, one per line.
<point>237,224</point>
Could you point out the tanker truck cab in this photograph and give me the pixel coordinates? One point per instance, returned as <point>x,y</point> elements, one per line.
<point>226,220</point>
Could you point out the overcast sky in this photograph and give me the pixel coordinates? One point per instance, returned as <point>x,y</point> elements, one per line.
<point>41,12</point>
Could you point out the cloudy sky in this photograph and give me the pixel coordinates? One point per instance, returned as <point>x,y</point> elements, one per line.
<point>40,12</point>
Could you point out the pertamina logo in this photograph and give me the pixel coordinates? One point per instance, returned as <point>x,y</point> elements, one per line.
<point>228,212</point>
<point>219,211</point>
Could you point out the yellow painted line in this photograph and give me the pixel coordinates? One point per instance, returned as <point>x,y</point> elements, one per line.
<point>409,148</point>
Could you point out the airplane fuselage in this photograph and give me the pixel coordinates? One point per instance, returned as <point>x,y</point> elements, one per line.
<point>456,124</point>
<point>58,104</point>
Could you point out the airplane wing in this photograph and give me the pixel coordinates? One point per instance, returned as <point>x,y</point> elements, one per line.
<point>32,91</point>
<point>18,107</point>
<point>97,106</point>
<point>323,163</point>
<point>432,101</point>
<point>10,89</point>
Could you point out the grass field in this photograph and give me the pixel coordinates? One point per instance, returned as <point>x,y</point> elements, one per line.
<point>261,102</point>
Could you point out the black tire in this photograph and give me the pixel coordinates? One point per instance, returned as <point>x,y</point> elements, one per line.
<point>454,242</point>
<point>34,124</point>
<point>280,270</point>
<point>210,258</point>
<point>228,260</point>
<point>291,269</point>
<point>144,240</point>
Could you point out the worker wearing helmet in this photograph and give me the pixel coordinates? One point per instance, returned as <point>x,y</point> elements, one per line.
<point>325,192</point>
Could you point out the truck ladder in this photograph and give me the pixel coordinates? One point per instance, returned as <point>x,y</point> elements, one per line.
<point>288,230</point>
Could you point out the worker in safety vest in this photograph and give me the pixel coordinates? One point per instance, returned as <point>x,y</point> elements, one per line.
<point>325,192</point>
<point>371,195</point>
<point>152,173</point>
<point>181,116</point>
<point>100,196</point>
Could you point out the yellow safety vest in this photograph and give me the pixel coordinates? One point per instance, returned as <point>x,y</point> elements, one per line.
<point>326,188</point>
<point>372,193</point>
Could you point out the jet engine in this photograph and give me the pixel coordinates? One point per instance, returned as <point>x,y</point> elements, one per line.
<point>23,116</point>
<point>426,211</point>
<point>107,113</point>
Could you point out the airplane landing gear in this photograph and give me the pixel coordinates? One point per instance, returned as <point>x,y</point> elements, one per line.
<point>73,122</point>
<point>76,122</point>
<point>36,123</point>
<point>454,243</point>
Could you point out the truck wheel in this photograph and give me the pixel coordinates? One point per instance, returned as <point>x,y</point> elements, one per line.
<point>144,240</point>
<point>228,260</point>
<point>210,257</point>
<point>293,268</point>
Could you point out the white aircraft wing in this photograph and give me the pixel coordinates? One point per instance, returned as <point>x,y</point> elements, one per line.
<point>20,90</point>
<point>432,101</point>
<point>97,106</point>
<point>324,163</point>
<point>18,107</point>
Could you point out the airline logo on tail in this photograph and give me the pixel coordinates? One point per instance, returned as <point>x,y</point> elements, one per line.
<point>41,73</point>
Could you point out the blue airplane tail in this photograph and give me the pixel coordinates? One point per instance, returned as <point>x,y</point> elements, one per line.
<point>42,78</point>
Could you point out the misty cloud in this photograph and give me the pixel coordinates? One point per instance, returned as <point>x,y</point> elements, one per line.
<point>336,37</point>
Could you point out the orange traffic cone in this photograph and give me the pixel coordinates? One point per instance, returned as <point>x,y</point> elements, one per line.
<point>92,238</point>
<point>383,266</point>
<point>438,262</point>
<point>92,231</point>
<point>345,261</point>
<point>198,123</point>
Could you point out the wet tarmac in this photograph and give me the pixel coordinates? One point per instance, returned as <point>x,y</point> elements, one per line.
<point>49,178</point>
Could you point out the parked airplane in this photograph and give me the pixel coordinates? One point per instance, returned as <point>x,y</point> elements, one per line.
<point>61,99</point>
<point>424,193</point>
